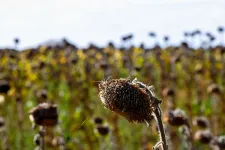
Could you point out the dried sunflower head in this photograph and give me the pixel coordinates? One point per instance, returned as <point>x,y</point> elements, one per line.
<point>102,130</point>
<point>201,122</point>
<point>42,94</point>
<point>221,141</point>
<point>4,86</point>
<point>131,99</point>
<point>213,89</point>
<point>203,136</point>
<point>2,122</point>
<point>98,120</point>
<point>44,114</point>
<point>177,117</point>
<point>37,139</point>
<point>168,92</point>
<point>220,29</point>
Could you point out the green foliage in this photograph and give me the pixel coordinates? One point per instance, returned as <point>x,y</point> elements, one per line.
<point>70,79</point>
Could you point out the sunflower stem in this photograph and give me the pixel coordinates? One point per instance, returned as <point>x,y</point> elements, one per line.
<point>42,134</point>
<point>158,117</point>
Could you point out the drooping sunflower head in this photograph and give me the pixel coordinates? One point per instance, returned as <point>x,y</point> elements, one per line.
<point>131,99</point>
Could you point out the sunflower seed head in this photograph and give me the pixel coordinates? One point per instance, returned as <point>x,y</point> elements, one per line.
<point>4,86</point>
<point>37,139</point>
<point>103,130</point>
<point>221,141</point>
<point>177,117</point>
<point>2,122</point>
<point>168,92</point>
<point>203,136</point>
<point>201,122</point>
<point>98,120</point>
<point>213,89</point>
<point>44,114</point>
<point>131,99</point>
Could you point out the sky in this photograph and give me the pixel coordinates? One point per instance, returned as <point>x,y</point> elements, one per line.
<point>101,21</point>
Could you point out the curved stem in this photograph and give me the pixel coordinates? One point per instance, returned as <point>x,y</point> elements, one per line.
<point>188,136</point>
<point>42,134</point>
<point>158,117</point>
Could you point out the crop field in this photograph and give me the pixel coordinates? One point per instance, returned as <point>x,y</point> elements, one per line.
<point>49,97</point>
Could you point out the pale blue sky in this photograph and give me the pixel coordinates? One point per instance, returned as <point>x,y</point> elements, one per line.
<point>99,21</point>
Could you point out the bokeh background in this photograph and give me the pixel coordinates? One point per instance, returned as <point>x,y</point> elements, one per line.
<point>59,51</point>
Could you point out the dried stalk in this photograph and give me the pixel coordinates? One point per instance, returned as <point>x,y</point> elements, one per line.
<point>158,117</point>
<point>42,134</point>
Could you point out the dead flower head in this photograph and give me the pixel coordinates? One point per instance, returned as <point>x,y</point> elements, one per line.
<point>201,122</point>
<point>102,130</point>
<point>221,141</point>
<point>177,117</point>
<point>168,92</point>
<point>4,86</point>
<point>203,136</point>
<point>213,89</point>
<point>131,99</point>
<point>44,114</point>
<point>98,120</point>
<point>2,122</point>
